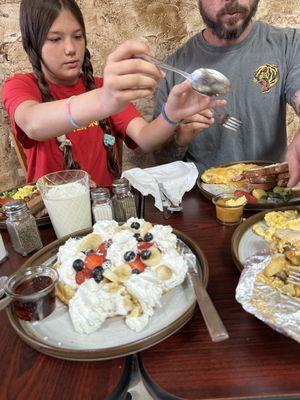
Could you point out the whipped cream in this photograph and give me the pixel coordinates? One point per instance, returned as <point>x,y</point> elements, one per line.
<point>163,237</point>
<point>177,264</point>
<point>105,228</point>
<point>94,302</point>
<point>144,288</point>
<point>122,242</point>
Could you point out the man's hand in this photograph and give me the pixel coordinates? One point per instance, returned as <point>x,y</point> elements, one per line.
<point>293,158</point>
<point>189,128</point>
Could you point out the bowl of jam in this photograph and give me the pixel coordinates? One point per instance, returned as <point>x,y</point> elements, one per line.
<point>32,292</point>
<point>229,209</point>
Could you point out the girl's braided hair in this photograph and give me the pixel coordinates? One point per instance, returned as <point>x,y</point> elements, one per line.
<point>36,19</point>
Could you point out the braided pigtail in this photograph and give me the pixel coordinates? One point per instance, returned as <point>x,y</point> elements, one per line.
<point>112,159</point>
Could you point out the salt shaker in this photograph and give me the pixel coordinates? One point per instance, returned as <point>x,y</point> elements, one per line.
<point>22,227</point>
<point>123,200</point>
<point>102,205</point>
<point>3,252</point>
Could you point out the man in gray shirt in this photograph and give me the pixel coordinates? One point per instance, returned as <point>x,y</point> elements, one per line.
<point>263,65</point>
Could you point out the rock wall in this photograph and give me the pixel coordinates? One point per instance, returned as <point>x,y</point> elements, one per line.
<point>163,24</point>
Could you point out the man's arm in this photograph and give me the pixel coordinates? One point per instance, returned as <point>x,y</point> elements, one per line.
<point>293,152</point>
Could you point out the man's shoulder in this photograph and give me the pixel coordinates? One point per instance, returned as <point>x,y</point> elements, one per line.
<point>277,31</point>
<point>186,48</point>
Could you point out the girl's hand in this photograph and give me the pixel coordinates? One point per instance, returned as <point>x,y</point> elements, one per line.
<point>183,103</point>
<point>127,78</point>
<point>190,127</point>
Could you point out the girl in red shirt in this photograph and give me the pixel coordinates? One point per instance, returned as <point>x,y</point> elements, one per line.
<point>64,117</point>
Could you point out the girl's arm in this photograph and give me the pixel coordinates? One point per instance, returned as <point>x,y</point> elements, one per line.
<point>125,79</point>
<point>183,103</point>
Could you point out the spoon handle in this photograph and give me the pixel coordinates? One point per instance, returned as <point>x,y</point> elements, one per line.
<point>5,302</point>
<point>163,65</point>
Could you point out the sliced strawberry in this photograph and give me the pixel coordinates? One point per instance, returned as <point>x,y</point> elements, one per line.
<point>102,249</point>
<point>144,245</point>
<point>93,260</point>
<point>250,199</point>
<point>80,277</point>
<point>138,264</point>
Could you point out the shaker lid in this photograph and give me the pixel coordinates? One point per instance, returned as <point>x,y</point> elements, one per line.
<point>121,183</point>
<point>15,207</point>
<point>100,193</point>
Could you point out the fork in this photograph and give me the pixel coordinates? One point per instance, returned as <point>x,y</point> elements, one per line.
<point>294,275</point>
<point>227,121</point>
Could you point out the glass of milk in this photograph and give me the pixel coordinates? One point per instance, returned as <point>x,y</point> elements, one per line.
<point>66,195</point>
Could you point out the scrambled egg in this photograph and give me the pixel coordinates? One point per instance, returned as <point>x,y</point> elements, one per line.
<point>277,221</point>
<point>240,201</point>
<point>226,175</point>
<point>25,191</point>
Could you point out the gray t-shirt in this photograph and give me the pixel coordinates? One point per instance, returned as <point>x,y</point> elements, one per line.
<point>264,71</point>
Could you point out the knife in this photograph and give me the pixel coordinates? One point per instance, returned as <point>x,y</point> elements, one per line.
<point>211,317</point>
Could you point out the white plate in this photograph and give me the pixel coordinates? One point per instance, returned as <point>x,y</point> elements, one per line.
<point>56,336</point>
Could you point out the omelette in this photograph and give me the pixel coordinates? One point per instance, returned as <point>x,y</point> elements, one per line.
<point>231,175</point>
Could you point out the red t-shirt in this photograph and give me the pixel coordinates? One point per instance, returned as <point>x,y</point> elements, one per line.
<point>87,143</point>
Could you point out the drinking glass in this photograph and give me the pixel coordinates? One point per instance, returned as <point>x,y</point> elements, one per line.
<point>66,195</point>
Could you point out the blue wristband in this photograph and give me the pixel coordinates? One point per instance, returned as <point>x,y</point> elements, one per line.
<point>165,117</point>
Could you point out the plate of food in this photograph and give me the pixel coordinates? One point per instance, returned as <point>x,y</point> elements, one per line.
<point>266,249</point>
<point>30,194</point>
<point>122,289</point>
<point>263,183</point>
<point>267,232</point>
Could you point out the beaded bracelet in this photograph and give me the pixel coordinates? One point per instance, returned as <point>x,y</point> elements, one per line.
<point>69,115</point>
<point>165,117</point>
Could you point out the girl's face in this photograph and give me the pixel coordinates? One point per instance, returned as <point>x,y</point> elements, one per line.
<point>63,50</point>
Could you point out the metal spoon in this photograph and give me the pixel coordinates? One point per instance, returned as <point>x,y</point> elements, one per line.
<point>204,80</point>
<point>6,300</point>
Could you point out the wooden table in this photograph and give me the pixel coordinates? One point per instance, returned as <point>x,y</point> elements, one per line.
<point>255,363</point>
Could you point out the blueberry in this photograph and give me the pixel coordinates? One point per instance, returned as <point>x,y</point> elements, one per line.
<point>148,237</point>
<point>135,271</point>
<point>145,254</point>
<point>78,265</point>
<point>89,252</point>
<point>135,225</point>
<point>106,264</point>
<point>129,256</point>
<point>97,274</point>
<point>138,237</point>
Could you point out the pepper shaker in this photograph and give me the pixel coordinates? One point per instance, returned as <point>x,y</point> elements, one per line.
<point>22,227</point>
<point>123,200</point>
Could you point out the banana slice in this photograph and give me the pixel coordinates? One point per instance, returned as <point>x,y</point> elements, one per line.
<point>146,228</point>
<point>154,258</point>
<point>111,276</point>
<point>90,242</point>
<point>123,272</point>
<point>112,287</point>
<point>163,272</point>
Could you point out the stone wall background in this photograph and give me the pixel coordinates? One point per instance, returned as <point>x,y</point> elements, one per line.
<point>164,25</point>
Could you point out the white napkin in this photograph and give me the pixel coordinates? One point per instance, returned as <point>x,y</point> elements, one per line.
<point>175,178</point>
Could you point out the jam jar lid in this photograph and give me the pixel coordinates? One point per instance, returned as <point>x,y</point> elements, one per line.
<point>15,207</point>
<point>100,193</point>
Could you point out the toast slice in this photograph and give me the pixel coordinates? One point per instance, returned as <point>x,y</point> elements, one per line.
<point>263,179</point>
<point>277,168</point>
<point>263,186</point>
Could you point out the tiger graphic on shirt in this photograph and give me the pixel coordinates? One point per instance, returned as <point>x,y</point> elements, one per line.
<point>267,76</point>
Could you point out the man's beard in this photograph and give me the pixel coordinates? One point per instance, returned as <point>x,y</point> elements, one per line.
<point>219,28</point>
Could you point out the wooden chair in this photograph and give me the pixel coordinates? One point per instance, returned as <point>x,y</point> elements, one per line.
<point>20,152</point>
